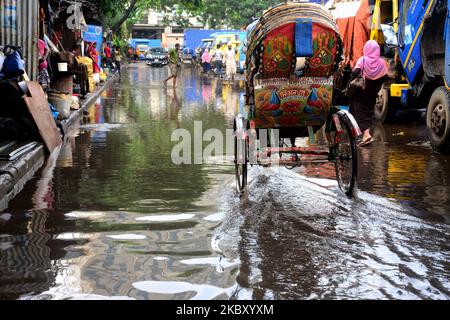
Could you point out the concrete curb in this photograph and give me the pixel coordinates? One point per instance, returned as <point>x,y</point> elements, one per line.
<point>15,174</point>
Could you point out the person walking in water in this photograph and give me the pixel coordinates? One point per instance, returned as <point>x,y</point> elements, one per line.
<point>218,60</point>
<point>230,62</point>
<point>373,69</point>
<point>174,65</point>
<point>117,60</point>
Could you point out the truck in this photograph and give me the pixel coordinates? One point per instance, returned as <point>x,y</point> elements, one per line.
<point>143,45</point>
<point>237,39</point>
<point>414,37</point>
<point>192,40</point>
<point>424,52</point>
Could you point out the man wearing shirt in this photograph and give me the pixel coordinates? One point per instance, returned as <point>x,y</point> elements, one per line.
<point>174,65</point>
<point>107,52</point>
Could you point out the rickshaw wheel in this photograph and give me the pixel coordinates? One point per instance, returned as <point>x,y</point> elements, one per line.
<point>241,152</point>
<point>241,163</point>
<point>346,163</point>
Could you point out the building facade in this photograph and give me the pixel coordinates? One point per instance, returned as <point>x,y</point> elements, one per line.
<point>163,26</point>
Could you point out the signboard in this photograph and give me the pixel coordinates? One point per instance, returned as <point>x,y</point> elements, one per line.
<point>95,34</point>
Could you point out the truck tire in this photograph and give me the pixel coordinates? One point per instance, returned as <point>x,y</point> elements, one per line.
<point>381,106</point>
<point>385,107</point>
<point>438,120</point>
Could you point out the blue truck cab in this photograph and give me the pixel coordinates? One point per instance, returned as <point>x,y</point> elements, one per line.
<point>424,52</point>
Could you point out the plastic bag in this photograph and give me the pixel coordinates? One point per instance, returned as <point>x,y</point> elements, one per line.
<point>13,66</point>
<point>54,112</point>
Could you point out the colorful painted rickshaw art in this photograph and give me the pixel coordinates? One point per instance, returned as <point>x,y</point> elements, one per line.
<point>293,52</point>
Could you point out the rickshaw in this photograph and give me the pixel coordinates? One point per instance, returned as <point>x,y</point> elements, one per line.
<point>293,53</point>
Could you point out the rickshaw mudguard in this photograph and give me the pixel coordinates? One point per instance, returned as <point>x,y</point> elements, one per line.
<point>240,128</point>
<point>344,115</point>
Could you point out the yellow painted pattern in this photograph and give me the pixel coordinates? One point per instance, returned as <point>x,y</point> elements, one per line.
<point>396,89</point>
<point>417,34</point>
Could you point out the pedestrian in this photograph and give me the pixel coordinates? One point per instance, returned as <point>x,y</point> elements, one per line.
<point>206,61</point>
<point>230,62</point>
<point>93,54</point>
<point>136,54</point>
<point>130,54</point>
<point>174,65</point>
<point>43,77</point>
<point>373,70</point>
<point>218,57</point>
<point>107,53</point>
<point>117,60</point>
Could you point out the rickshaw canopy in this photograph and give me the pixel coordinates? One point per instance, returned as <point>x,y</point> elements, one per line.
<point>293,51</point>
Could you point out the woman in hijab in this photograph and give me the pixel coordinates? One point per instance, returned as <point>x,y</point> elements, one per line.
<point>43,77</point>
<point>206,60</point>
<point>373,69</point>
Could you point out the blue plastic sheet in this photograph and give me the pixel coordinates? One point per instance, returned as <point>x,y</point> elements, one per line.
<point>303,38</point>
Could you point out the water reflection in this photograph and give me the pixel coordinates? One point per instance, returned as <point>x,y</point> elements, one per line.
<point>111,217</point>
<point>115,210</point>
<point>401,165</point>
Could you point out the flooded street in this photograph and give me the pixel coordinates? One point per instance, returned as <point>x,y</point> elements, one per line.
<point>111,217</point>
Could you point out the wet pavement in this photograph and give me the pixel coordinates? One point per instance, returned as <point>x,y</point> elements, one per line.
<point>111,217</point>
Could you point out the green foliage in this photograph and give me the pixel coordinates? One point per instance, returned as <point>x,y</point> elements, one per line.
<point>214,13</point>
<point>232,13</point>
<point>119,42</point>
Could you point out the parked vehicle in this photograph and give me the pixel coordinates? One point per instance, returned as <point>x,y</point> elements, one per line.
<point>415,38</point>
<point>192,40</point>
<point>187,55</point>
<point>156,57</point>
<point>424,51</point>
<point>237,39</point>
<point>384,29</point>
<point>141,46</point>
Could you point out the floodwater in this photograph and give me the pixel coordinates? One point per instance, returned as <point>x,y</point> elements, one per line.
<point>111,217</point>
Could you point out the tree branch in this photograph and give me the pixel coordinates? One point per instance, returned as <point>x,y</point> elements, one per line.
<point>127,13</point>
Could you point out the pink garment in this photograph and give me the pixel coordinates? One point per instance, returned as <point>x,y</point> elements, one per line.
<point>41,46</point>
<point>374,66</point>
<point>206,57</point>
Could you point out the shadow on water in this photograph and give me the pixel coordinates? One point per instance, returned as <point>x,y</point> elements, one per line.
<point>111,217</point>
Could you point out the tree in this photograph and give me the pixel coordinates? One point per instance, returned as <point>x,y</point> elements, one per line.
<point>114,13</point>
<point>116,27</point>
<point>231,13</point>
<point>213,13</point>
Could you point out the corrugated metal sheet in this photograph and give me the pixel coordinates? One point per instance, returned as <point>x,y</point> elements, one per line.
<point>19,26</point>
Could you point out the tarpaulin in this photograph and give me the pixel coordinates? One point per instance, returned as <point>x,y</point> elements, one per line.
<point>355,32</point>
